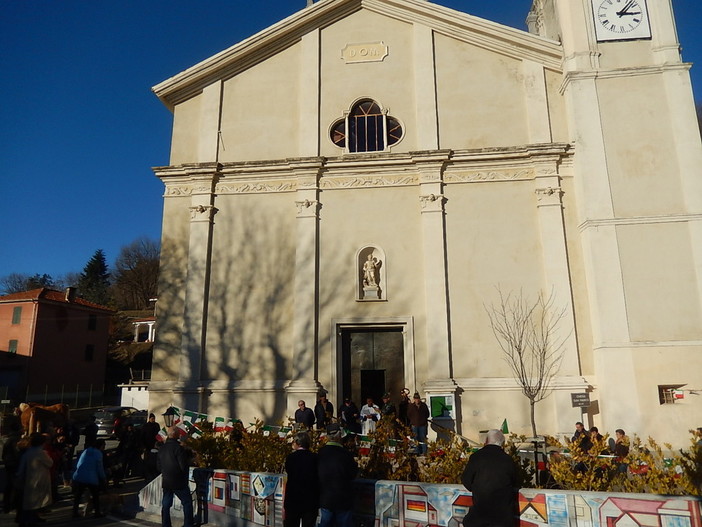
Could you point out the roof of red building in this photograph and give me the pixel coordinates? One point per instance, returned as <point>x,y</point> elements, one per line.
<point>52,296</point>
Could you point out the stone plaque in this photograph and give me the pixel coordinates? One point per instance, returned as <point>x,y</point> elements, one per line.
<point>370,52</point>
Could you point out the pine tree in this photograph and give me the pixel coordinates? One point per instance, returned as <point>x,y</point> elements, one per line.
<point>94,283</point>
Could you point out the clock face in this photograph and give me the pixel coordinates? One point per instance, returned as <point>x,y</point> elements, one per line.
<point>621,19</point>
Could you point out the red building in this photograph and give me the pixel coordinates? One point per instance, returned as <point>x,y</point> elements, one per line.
<point>52,344</point>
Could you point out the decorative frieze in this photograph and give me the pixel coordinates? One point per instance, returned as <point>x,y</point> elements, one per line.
<point>386,180</point>
<point>488,175</point>
<point>257,187</point>
<point>178,191</point>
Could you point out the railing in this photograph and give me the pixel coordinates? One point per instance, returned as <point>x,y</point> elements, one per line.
<point>139,375</point>
<point>75,395</point>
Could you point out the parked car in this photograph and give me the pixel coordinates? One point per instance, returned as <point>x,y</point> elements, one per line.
<point>112,420</point>
<point>138,419</point>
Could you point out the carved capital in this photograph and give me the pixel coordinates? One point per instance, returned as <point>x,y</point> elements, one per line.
<point>307,208</point>
<point>432,202</point>
<point>202,212</point>
<point>549,195</point>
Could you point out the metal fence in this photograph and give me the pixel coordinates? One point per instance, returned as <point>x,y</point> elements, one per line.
<point>74,395</point>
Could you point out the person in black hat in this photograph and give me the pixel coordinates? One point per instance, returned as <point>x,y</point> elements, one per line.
<point>418,415</point>
<point>337,469</point>
<point>388,408</point>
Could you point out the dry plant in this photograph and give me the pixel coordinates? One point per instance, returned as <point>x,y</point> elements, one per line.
<point>527,333</point>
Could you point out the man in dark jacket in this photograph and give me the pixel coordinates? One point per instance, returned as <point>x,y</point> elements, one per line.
<point>336,469</point>
<point>323,412</point>
<point>418,415</point>
<point>491,476</point>
<point>302,488</point>
<point>175,470</point>
<point>304,415</point>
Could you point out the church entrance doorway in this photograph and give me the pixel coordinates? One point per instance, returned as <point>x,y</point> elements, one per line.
<point>372,363</point>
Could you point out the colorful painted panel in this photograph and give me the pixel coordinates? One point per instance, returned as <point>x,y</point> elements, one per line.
<point>256,499</point>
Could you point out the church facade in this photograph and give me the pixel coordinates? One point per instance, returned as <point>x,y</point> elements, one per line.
<point>353,190</point>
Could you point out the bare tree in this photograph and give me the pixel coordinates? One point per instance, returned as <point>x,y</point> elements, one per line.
<point>532,347</point>
<point>136,274</point>
<point>19,282</point>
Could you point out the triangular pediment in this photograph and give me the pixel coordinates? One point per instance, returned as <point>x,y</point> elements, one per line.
<point>257,48</point>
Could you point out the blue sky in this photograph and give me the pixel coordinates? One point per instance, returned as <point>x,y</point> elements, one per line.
<point>81,129</point>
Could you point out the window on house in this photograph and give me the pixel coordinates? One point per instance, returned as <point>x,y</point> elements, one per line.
<point>366,128</point>
<point>89,352</point>
<point>670,393</point>
<point>12,348</point>
<point>92,322</point>
<point>17,315</point>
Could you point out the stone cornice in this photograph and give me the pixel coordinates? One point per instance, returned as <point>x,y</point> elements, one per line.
<point>264,44</point>
<point>510,383</point>
<point>368,171</point>
<point>573,76</point>
<point>638,220</point>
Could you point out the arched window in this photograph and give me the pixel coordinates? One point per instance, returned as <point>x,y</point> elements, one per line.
<point>366,128</point>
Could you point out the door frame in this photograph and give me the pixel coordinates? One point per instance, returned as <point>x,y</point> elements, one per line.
<point>406,324</point>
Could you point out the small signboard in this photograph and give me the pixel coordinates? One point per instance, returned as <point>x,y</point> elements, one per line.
<point>5,401</point>
<point>441,406</point>
<point>580,400</point>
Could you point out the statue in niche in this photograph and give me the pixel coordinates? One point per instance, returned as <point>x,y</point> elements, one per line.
<point>371,268</point>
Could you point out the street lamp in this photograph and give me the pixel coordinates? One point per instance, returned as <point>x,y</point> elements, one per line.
<point>169,416</point>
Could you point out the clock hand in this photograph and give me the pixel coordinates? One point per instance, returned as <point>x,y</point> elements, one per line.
<point>624,10</point>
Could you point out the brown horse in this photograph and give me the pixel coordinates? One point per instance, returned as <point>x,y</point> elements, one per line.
<point>34,416</point>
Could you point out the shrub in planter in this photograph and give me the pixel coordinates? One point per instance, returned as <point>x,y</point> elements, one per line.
<point>646,469</point>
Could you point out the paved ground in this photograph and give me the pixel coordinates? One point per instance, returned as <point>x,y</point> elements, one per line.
<point>121,505</point>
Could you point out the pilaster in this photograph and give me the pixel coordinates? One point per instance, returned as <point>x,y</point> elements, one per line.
<point>536,102</point>
<point>309,94</point>
<point>194,339</point>
<point>430,166</point>
<point>425,88</point>
<point>557,281</point>
<point>304,384</point>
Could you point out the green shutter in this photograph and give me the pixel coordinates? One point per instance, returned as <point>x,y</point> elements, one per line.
<point>13,346</point>
<point>17,315</point>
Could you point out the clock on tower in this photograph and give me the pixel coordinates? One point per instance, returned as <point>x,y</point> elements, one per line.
<point>620,20</point>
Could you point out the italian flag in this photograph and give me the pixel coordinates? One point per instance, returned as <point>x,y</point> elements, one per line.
<point>193,430</point>
<point>193,417</point>
<point>220,424</point>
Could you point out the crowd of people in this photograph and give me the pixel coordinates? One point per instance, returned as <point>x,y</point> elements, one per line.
<point>38,465</point>
<point>413,413</point>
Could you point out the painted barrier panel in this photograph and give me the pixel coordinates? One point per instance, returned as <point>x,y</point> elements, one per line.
<point>250,499</point>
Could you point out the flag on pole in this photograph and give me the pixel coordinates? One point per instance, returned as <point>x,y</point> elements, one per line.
<point>182,428</point>
<point>505,428</point>
<point>193,417</point>
<point>162,435</point>
<point>193,430</point>
<point>220,424</point>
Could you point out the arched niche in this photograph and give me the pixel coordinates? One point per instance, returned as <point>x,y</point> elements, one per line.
<point>371,274</point>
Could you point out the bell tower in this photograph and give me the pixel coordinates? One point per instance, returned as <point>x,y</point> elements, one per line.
<point>638,185</point>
